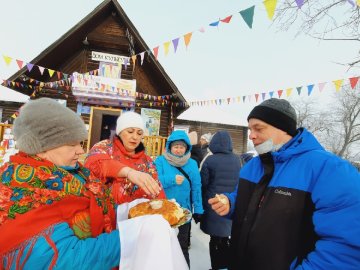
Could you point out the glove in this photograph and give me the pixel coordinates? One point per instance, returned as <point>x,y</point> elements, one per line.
<point>197,217</point>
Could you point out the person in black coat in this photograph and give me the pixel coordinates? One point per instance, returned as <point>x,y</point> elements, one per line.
<point>219,174</point>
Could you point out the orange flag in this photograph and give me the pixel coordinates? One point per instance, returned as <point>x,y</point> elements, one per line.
<point>187,38</point>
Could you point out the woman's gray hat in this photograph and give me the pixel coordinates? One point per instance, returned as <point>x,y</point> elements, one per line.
<point>276,112</point>
<point>44,124</point>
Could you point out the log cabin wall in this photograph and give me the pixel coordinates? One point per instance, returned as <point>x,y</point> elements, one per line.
<point>8,109</point>
<point>238,133</point>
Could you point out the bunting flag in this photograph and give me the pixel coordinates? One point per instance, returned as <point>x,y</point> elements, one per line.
<point>20,63</point>
<point>187,39</point>
<point>270,6</point>
<point>7,60</point>
<point>288,92</point>
<point>358,2</point>
<point>338,84</point>
<point>227,19</point>
<point>166,47</point>
<point>142,54</point>
<point>298,89</point>
<point>321,86</point>
<point>280,93</point>
<point>175,43</point>
<point>248,16</point>
<point>310,88</point>
<point>353,82</point>
<point>156,52</point>
<point>41,69</point>
<point>202,30</point>
<point>133,58</point>
<point>299,3</point>
<point>351,2</point>
<point>215,23</point>
<point>51,72</point>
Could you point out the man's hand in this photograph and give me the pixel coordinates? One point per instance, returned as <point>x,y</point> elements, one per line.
<point>220,204</point>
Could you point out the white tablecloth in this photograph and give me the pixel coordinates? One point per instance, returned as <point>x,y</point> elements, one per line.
<point>148,242</point>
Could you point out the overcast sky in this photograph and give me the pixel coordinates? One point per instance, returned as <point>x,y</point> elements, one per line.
<point>226,61</point>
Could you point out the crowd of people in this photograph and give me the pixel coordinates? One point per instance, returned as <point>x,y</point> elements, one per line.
<point>292,206</point>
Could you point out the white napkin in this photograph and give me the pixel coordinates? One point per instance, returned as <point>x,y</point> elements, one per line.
<point>148,242</point>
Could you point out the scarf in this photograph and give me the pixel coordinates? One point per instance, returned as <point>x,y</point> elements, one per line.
<point>36,194</point>
<point>177,161</point>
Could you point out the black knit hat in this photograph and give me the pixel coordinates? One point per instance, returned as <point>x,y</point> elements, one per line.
<point>278,113</point>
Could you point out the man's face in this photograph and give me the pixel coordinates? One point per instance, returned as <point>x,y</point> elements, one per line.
<point>261,132</point>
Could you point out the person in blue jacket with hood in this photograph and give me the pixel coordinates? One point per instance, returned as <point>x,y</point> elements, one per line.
<point>219,174</point>
<point>296,206</point>
<point>180,178</point>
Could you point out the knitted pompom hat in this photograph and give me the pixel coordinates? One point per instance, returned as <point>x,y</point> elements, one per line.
<point>129,120</point>
<point>44,124</point>
<point>276,112</point>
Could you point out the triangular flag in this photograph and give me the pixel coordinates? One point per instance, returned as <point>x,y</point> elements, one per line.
<point>353,82</point>
<point>358,2</point>
<point>299,3</point>
<point>227,19</point>
<point>298,89</point>
<point>7,59</point>
<point>271,94</point>
<point>175,43</point>
<point>187,38</point>
<point>215,23</point>
<point>51,72</point>
<point>263,95</point>
<point>256,97</point>
<point>58,73</point>
<point>20,63</point>
<point>288,92</point>
<point>133,58</point>
<point>41,69</point>
<point>338,84</point>
<point>248,15</point>
<point>156,51</point>
<point>142,54</point>
<point>270,6</point>
<point>321,86</point>
<point>244,97</point>
<point>166,47</point>
<point>310,87</point>
<point>202,30</point>
<point>280,93</point>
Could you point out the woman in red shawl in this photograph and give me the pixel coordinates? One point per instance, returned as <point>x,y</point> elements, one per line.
<point>123,164</point>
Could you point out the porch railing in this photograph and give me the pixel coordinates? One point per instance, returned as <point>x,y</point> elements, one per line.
<point>154,145</point>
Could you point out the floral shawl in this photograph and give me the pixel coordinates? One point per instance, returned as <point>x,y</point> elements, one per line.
<point>36,194</point>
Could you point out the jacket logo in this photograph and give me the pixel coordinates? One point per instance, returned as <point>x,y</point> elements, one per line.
<point>285,193</point>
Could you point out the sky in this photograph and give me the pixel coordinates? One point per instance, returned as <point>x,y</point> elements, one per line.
<point>230,60</point>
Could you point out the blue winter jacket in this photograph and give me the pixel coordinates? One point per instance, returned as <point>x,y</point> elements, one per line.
<point>219,174</point>
<point>167,173</point>
<point>308,217</point>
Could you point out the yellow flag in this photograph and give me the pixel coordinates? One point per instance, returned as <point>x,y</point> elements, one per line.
<point>133,58</point>
<point>338,84</point>
<point>187,38</point>
<point>7,59</point>
<point>288,92</point>
<point>166,47</point>
<point>270,6</point>
<point>358,2</point>
<point>51,72</point>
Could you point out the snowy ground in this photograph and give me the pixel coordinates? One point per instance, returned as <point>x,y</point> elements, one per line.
<point>199,251</point>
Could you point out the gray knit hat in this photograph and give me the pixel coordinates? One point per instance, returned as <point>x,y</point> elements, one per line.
<point>278,113</point>
<point>44,124</point>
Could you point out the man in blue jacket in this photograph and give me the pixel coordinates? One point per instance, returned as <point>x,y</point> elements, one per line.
<point>296,206</point>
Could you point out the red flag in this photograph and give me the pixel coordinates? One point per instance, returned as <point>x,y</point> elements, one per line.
<point>256,97</point>
<point>156,52</point>
<point>280,93</point>
<point>353,81</point>
<point>19,63</point>
<point>227,19</point>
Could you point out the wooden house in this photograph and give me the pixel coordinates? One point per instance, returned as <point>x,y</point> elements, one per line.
<point>238,133</point>
<point>104,39</point>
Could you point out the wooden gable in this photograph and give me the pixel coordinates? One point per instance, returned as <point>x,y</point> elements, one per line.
<point>107,30</point>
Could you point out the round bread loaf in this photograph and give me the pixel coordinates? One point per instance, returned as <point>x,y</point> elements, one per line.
<point>171,211</point>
